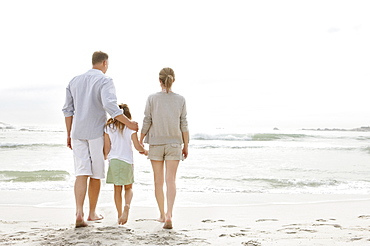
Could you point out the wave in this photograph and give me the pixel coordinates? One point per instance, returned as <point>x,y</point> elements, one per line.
<point>39,130</point>
<point>33,176</point>
<point>248,137</point>
<point>31,145</point>
<point>215,146</point>
<point>5,126</point>
<point>276,186</point>
<point>271,182</point>
<point>294,183</point>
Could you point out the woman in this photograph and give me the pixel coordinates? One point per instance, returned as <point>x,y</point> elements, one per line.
<point>165,129</point>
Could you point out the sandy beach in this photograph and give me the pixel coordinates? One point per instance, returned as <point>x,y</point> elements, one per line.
<point>269,219</point>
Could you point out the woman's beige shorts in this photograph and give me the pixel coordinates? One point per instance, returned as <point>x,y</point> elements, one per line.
<point>164,152</point>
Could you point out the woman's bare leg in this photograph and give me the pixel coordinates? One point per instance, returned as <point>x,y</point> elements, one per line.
<point>171,170</point>
<point>158,171</point>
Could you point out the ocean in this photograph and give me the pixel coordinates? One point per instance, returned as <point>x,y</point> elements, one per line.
<point>221,162</point>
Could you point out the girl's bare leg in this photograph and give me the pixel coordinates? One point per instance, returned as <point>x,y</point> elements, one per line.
<point>158,171</point>
<point>171,170</point>
<point>118,199</point>
<point>128,198</point>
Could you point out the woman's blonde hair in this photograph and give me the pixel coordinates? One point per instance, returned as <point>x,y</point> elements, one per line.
<point>167,77</point>
<point>115,124</point>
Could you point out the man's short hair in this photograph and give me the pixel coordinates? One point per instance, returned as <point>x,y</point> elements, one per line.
<point>99,57</point>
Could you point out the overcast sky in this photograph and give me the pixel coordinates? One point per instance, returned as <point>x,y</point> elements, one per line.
<point>296,64</point>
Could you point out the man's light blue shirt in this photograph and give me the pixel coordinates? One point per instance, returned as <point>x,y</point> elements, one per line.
<point>89,97</point>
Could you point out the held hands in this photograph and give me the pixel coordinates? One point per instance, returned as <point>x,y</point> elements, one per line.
<point>145,152</point>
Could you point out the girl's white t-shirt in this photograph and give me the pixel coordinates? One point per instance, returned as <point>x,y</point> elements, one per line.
<point>121,144</point>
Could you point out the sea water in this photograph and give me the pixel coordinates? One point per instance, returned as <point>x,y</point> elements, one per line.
<point>221,162</point>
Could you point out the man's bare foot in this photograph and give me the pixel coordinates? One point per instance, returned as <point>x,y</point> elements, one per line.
<point>123,219</point>
<point>80,221</point>
<point>95,217</point>
<point>167,224</point>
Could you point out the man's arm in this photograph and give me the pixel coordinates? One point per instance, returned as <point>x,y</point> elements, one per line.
<point>109,100</point>
<point>129,123</point>
<point>68,121</point>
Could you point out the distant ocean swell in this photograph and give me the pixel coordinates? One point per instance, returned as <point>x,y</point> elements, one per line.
<point>221,146</point>
<point>245,137</point>
<point>33,176</point>
<point>31,145</point>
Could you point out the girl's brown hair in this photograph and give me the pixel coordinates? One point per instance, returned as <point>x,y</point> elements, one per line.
<point>167,77</point>
<point>115,124</point>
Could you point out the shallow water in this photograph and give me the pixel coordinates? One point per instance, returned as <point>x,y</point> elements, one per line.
<point>273,162</point>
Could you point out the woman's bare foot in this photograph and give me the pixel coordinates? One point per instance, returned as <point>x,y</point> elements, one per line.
<point>161,219</point>
<point>167,224</point>
<point>80,221</point>
<point>124,217</point>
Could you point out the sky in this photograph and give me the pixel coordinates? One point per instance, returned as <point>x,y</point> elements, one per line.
<point>239,64</point>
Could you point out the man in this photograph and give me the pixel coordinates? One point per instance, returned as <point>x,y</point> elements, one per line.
<point>88,98</point>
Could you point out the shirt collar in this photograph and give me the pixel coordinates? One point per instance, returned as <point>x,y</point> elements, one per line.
<point>96,71</point>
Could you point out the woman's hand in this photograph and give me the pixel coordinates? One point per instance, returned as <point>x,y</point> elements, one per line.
<point>185,151</point>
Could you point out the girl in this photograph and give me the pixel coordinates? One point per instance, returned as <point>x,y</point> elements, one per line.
<point>166,129</point>
<point>117,147</point>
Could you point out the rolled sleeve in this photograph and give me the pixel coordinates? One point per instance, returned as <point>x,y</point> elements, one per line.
<point>147,122</point>
<point>68,108</point>
<point>109,99</point>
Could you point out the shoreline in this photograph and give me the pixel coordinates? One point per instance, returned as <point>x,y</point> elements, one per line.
<point>268,219</point>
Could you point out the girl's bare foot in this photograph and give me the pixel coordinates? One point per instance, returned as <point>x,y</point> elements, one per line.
<point>123,219</point>
<point>80,221</point>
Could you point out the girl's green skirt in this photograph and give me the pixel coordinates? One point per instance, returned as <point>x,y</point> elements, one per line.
<point>120,172</point>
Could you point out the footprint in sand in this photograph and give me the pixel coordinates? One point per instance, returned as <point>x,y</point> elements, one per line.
<point>356,238</point>
<point>251,243</point>
<point>212,221</point>
<point>229,226</point>
<point>264,220</point>
<point>209,221</point>
<point>364,217</point>
<point>334,225</point>
<point>141,220</point>
<point>324,220</point>
<point>237,234</point>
